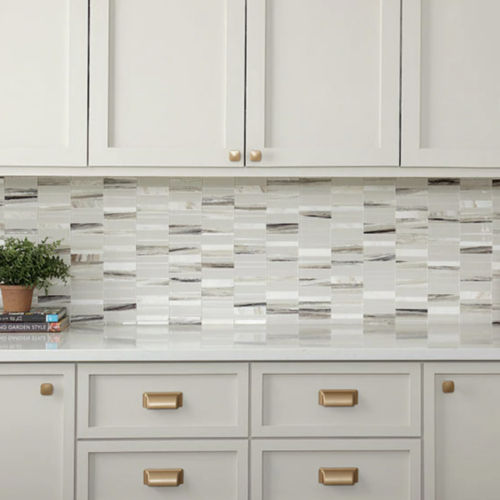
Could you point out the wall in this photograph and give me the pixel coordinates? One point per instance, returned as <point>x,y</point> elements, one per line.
<point>414,256</point>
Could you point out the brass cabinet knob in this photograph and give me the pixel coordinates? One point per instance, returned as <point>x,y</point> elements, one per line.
<point>347,476</point>
<point>342,398</point>
<point>163,478</point>
<point>234,155</point>
<point>162,400</point>
<point>255,155</point>
<point>448,386</point>
<point>46,389</point>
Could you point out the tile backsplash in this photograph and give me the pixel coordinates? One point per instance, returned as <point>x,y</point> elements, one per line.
<point>416,257</point>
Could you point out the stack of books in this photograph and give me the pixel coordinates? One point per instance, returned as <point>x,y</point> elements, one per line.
<point>40,327</point>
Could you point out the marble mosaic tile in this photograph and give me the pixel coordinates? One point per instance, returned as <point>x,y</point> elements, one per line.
<point>307,261</point>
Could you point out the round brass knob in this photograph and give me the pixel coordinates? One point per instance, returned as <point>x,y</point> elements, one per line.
<point>234,155</point>
<point>448,386</point>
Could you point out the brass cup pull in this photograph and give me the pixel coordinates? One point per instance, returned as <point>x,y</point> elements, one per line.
<point>46,389</point>
<point>163,478</point>
<point>339,398</point>
<point>162,400</point>
<point>448,386</point>
<point>347,476</point>
<point>255,155</point>
<point>234,155</point>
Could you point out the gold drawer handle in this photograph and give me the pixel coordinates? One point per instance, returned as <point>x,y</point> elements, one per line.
<point>448,386</point>
<point>338,398</point>
<point>46,389</point>
<point>347,476</point>
<point>162,400</point>
<point>234,155</point>
<point>163,478</point>
<point>255,155</point>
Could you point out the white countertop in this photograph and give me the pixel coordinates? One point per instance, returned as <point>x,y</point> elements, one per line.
<point>243,343</point>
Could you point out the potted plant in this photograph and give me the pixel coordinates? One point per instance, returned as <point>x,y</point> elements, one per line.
<point>24,266</point>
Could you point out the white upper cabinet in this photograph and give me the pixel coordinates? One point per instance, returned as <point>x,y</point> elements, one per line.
<point>451,82</point>
<point>323,82</point>
<point>167,82</point>
<point>43,82</point>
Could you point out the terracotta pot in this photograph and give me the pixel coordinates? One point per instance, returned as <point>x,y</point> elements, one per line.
<point>16,298</point>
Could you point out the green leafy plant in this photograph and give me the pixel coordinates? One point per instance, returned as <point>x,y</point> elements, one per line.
<point>28,264</point>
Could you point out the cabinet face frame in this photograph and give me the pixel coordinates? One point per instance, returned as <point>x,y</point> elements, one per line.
<point>86,448</point>
<point>411,369</point>
<point>87,370</point>
<point>67,372</point>
<point>101,155</point>
<point>431,369</point>
<point>389,128</point>
<point>412,154</point>
<point>75,155</point>
<point>259,446</point>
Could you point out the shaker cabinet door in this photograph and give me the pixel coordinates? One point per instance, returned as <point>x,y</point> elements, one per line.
<point>451,77</point>
<point>37,423</point>
<point>43,83</point>
<point>461,431</point>
<point>323,83</point>
<point>167,83</point>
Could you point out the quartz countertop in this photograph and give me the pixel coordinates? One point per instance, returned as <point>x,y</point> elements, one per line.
<point>247,343</point>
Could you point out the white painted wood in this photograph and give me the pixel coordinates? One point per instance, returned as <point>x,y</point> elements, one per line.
<point>110,400</point>
<point>213,470</point>
<point>287,469</point>
<point>462,435</point>
<point>166,82</point>
<point>37,432</point>
<point>323,82</point>
<point>43,83</point>
<point>451,75</point>
<point>285,399</point>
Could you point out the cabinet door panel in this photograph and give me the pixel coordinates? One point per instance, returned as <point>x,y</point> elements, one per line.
<point>451,76</point>
<point>37,432</point>
<point>323,82</point>
<point>166,82</point>
<point>43,82</point>
<point>462,435</point>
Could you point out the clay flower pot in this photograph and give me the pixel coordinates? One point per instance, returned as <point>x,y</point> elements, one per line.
<point>16,298</point>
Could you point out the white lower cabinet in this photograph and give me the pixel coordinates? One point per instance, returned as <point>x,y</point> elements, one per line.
<point>356,469</point>
<point>37,417</point>
<point>462,431</point>
<point>184,470</point>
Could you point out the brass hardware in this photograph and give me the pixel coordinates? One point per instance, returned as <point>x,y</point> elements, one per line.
<point>338,398</point>
<point>46,389</point>
<point>162,400</point>
<point>163,478</point>
<point>347,476</point>
<point>448,386</point>
<point>234,155</point>
<point>255,155</point>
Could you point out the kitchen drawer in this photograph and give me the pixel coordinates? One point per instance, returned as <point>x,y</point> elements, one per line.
<point>214,399</point>
<point>290,470</point>
<point>385,398</point>
<point>211,470</point>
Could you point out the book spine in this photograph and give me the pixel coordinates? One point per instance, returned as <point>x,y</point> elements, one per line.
<point>31,317</point>
<point>30,327</point>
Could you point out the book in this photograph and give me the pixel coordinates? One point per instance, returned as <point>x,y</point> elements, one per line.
<point>35,327</point>
<point>36,315</point>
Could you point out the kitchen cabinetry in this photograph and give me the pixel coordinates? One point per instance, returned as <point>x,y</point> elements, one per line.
<point>43,83</point>
<point>37,418</point>
<point>450,78</point>
<point>323,83</point>
<point>462,435</point>
<point>167,83</point>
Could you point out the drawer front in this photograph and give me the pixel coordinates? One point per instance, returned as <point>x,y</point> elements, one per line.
<point>336,399</point>
<point>208,470</point>
<point>184,399</point>
<point>353,469</point>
